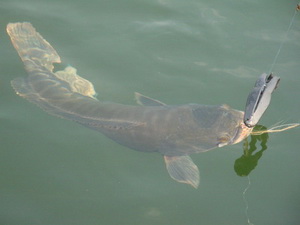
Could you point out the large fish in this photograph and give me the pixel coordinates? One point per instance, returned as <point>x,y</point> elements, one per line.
<point>173,131</point>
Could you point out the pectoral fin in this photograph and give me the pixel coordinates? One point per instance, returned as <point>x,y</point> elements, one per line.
<point>183,170</point>
<point>147,101</point>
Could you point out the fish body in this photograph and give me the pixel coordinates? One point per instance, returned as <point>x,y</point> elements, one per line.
<point>152,126</point>
<point>172,130</point>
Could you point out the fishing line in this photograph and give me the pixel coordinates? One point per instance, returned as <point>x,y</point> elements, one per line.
<point>246,202</point>
<point>275,129</point>
<point>285,38</point>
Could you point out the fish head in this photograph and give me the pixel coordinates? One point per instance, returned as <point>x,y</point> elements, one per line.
<point>232,130</point>
<point>242,132</point>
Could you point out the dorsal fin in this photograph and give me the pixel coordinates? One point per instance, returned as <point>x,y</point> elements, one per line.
<point>147,101</point>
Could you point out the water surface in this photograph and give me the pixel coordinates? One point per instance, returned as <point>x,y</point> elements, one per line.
<point>56,172</point>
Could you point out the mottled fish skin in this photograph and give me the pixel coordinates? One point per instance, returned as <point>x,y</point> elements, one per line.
<point>174,131</point>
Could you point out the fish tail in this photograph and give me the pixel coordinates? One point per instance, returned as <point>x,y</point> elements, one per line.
<point>38,57</point>
<point>61,92</point>
<point>35,52</point>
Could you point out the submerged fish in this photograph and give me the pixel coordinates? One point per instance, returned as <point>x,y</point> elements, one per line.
<point>173,131</point>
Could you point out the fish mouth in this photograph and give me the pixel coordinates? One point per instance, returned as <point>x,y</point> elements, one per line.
<point>241,133</point>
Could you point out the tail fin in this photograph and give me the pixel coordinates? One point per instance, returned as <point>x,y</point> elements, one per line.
<point>38,56</point>
<point>31,46</point>
<point>63,93</point>
<point>59,93</point>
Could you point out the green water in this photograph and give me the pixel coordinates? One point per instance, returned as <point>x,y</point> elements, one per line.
<point>56,172</point>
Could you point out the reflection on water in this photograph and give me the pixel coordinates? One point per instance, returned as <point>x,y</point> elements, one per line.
<point>248,161</point>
